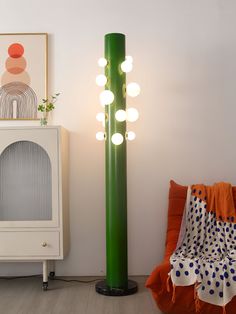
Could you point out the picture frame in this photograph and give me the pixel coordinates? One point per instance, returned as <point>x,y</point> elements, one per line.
<point>23,74</point>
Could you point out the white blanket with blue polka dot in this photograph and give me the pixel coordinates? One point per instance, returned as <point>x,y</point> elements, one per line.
<point>206,251</point>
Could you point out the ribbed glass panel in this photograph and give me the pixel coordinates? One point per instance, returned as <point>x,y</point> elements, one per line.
<point>25,183</point>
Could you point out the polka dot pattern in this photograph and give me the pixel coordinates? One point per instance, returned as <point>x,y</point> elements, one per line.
<point>207,253</point>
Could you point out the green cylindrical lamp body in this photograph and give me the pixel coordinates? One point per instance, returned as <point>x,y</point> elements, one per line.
<point>116,172</point>
<point>116,283</point>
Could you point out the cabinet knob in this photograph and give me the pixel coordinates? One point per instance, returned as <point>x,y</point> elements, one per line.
<point>44,244</point>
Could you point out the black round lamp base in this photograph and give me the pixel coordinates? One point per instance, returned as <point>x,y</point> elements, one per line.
<point>102,288</point>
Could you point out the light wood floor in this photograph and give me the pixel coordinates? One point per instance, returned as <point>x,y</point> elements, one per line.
<point>25,296</point>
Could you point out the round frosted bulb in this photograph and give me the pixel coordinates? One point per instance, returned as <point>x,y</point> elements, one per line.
<point>129,59</point>
<point>100,116</point>
<point>132,114</point>
<point>100,136</point>
<point>133,89</point>
<point>130,136</point>
<point>126,66</point>
<point>120,115</point>
<point>106,97</point>
<point>117,139</point>
<point>101,80</point>
<point>102,62</point>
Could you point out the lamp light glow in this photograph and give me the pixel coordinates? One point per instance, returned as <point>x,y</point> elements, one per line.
<point>120,115</point>
<point>100,116</point>
<point>102,62</point>
<point>117,139</point>
<point>130,136</point>
<point>132,114</point>
<point>101,80</point>
<point>129,59</point>
<point>106,97</point>
<point>133,89</point>
<point>100,136</point>
<point>126,66</point>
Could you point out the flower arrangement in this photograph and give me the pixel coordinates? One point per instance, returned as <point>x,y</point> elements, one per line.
<point>46,106</point>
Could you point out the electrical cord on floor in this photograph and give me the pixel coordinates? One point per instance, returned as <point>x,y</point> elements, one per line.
<point>76,280</point>
<point>51,278</point>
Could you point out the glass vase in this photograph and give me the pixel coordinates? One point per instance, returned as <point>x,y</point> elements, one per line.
<point>44,119</point>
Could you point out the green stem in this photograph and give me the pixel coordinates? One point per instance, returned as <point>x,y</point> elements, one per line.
<point>116,177</point>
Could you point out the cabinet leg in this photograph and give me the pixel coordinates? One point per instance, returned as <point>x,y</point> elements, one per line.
<point>45,286</point>
<point>52,270</point>
<point>45,275</point>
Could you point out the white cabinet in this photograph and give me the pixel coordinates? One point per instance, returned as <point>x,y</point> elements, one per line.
<point>33,195</point>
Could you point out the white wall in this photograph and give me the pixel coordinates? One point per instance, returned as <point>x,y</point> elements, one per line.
<point>185,61</point>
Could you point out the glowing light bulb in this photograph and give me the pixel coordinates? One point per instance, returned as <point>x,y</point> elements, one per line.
<point>106,97</point>
<point>129,59</point>
<point>126,66</point>
<point>130,136</point>
<point>100,117</point>
<point>101,80</point>
<point>100,136</point>
<point>117,138</point>
<point>133,89</point>
<point>102,62</point>
<point>120,115</point>
<point>132,114</point>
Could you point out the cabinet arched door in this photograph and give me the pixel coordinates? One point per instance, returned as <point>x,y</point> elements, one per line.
<point>29,194</point>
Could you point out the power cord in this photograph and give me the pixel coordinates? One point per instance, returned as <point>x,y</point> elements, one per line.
<point>75,280</point>
<point>52,278</point>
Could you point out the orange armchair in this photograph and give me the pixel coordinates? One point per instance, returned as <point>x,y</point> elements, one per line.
<point>161,287</point>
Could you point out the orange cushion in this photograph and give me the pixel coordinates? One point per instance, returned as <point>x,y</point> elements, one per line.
<point>177,197</point>
<point>157,281</point>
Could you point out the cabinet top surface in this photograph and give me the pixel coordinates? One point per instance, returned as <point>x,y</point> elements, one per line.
<point>30,127</point>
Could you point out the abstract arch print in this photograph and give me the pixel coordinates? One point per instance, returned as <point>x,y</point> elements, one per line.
<point>23,61</point>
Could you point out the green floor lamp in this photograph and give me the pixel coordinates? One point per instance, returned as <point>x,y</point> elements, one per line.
<point>113,98</point>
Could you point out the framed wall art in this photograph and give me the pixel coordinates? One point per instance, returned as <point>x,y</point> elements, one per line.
<point>23,74</point>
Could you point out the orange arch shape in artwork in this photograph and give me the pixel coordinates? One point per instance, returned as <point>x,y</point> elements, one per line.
<point>15,65</point>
